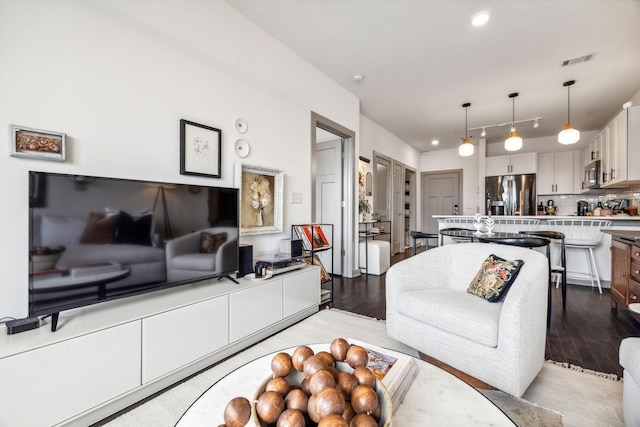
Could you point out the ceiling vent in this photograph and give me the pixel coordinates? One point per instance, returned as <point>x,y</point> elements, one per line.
<point>578,60</point>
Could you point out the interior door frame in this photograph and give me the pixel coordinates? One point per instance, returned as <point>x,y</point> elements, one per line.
<point>349,194</point>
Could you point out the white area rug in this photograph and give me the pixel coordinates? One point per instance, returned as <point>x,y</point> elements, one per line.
<point>583,399</point>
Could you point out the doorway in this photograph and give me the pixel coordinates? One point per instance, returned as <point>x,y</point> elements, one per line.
<point>441,195</point>
<point>333,191</point>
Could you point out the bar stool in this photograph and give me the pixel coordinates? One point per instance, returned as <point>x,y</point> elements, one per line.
<point>415,235</point>
<point>527,242</point>
<point>559,270</point>
<point>584,235</point>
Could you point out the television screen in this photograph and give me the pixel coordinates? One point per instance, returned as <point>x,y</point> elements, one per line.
<point>94,239</point>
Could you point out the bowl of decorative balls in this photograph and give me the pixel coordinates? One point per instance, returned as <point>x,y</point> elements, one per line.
<point>45,257</point>
<point>332,388</point>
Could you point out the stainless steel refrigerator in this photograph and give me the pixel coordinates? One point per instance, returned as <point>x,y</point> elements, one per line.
<point>511,194</point>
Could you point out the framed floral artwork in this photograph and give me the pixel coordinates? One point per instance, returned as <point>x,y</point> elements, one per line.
<point>200,150</point>
<point>37,144</point>
<point>261,199</point>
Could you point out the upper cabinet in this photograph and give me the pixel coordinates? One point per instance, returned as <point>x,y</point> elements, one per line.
<point>514,164</point>
<point>622,135</point>
<point>555,173</point>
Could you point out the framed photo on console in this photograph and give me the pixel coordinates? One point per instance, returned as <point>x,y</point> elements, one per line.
<point>200,150</point>
<point>261,199</point>
<point>37,144</point>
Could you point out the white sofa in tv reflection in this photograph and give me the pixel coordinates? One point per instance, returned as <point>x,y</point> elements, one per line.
<point>201,253</point>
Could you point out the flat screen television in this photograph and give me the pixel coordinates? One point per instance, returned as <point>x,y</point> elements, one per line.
<point>95,239</point>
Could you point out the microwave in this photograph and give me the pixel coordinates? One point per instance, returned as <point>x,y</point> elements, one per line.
<point>592,175</point>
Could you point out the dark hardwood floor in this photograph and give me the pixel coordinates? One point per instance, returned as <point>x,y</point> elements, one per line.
<point>588,334</point>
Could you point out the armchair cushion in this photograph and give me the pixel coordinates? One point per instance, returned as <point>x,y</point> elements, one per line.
<point>453,312</point>
<point>194,261</point>
<point>495,277</point>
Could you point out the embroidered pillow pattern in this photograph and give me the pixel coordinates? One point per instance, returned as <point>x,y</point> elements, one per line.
<point>495,277</point>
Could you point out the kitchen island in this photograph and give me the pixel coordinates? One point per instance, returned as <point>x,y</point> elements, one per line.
<point>576,260</point>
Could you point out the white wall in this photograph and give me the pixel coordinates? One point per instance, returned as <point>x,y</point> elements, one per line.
<point>374,137</point>
<point>117,76</point>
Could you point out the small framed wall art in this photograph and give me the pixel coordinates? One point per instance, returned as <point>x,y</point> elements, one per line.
<point>261,199</point>
<point>200,149</point>
<point>37,144</point>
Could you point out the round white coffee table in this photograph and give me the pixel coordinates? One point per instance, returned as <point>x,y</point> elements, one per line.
<point>435,398</point>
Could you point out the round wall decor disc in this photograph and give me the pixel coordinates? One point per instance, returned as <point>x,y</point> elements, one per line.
<point>241,125</point>
<point>242,148</point>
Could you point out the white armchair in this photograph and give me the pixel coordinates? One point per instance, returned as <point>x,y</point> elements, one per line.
<point>499,343</point>
<point>185,261</point>
<point>630,361</point>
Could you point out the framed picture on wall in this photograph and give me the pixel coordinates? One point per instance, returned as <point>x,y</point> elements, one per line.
<point>261,199</point>
<point>200,150</point>
<point>37,144</point>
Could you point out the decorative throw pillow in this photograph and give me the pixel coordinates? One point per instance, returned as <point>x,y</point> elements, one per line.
<point>99,229</point>
<point>495,277</point>
<point>210,243</point>
<point>136,231</point>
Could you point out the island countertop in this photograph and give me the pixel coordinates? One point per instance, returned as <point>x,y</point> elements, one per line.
<point>624,234</point>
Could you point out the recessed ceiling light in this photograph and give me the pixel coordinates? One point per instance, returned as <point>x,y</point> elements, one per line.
<point>435,142</point>
<point>358,78</point>
<point>478,19</point>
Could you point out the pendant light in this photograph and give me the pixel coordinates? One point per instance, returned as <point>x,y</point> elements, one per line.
<point>514,142</point>
<point>466,148</point>
<point>568,135</point>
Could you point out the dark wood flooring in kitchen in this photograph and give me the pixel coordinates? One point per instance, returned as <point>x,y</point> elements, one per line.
<point>588,334</point>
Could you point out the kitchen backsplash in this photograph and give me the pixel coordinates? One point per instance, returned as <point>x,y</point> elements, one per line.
<point>567,204</point>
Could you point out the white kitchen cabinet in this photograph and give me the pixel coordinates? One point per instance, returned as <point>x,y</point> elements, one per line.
<point>300,291</point>
<point>555,173</point>
<point>617,162</point>
<point>514,164</point>
<point>176,338</point>
<point>50,384</point>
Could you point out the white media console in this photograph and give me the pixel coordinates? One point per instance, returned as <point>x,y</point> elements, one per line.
<point>106,357</point>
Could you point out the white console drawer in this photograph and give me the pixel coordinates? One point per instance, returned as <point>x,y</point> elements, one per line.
<point>178,337</point>
<point>51,384</point>
<point>255,308</point>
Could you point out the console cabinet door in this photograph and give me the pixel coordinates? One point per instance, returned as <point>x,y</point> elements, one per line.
<point>255,308</point>
<point>178,337</point>
<point>301,291</point>
<point>620,264</point>
<point>64,379</point>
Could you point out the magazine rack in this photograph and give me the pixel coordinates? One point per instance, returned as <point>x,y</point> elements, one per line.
<point>317,238</point>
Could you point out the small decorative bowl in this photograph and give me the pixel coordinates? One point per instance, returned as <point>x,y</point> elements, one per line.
<point>295,379</point>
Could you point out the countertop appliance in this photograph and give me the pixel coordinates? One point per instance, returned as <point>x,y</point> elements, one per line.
<point>592,175</point>
<point>516,192</point>
<point>582,208</point>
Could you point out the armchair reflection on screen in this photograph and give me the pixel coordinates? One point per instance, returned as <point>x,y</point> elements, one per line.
<point>202,253</point>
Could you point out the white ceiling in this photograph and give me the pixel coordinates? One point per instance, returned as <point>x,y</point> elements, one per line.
<point>422,60</point>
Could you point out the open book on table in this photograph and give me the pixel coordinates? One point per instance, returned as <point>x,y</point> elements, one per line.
<point>396,370</point>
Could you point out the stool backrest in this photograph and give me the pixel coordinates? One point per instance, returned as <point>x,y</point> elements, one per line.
<point>580,229</point>
<point>514,225</point>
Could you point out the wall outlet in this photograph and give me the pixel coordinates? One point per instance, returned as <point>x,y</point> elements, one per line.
<point>295,198</point>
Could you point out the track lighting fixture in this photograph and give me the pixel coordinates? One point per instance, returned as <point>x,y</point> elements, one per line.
<point>568,135</point>
<point>466,148</point>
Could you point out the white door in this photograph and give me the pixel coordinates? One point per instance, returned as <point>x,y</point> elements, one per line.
<point>329,198</point>
<point>440,196</point>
